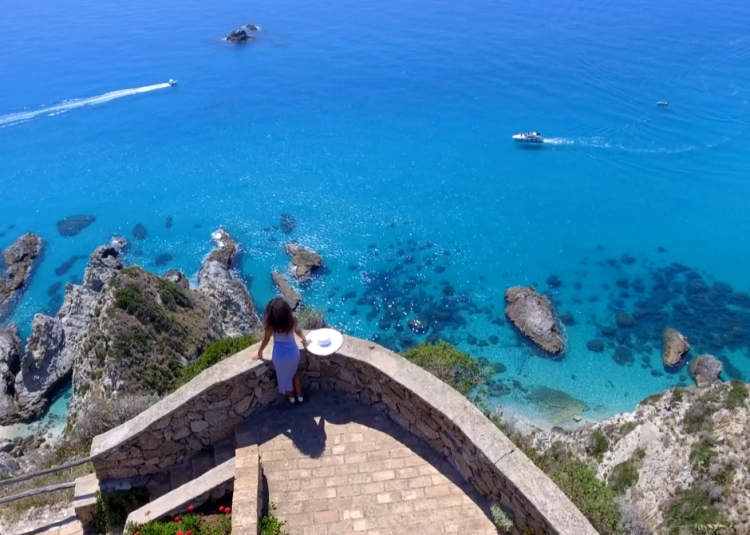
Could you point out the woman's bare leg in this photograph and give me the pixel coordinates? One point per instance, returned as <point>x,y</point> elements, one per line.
<point>297,382</point>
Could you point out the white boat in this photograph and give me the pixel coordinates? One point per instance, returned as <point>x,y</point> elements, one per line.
<point>662,103</point>
<point>529,137</point>
<point>172,82</point>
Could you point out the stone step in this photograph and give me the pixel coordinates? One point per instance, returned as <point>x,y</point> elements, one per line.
<point>157,489</point>
<point>246,433</point>
<point>214,483</point>
<point>224,450</point>
<point>84,499</point>
<point>202,462</point>
<point>248,491</point>
<point>180,475</point>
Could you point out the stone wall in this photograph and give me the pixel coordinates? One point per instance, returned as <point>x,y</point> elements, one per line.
<point>209,407</point>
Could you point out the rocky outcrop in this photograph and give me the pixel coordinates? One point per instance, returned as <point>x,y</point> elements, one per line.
<point>532,314</point>
<point>705,370</point>
<point>686,446</point>
<point>229,294</point>
<point>289,294</point>
<point>239,36</point>
<point>19,260</point>
<point>42,368</point>
<point>675,347</point>
<point>147,328</point>
<point>304,261</point>
<point>56,343</point>
<point>10,354</point>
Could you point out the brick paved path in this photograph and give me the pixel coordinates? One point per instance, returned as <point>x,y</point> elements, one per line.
<point>335,466</point>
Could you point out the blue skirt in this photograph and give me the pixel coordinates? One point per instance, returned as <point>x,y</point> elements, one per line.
<point>285,360</point>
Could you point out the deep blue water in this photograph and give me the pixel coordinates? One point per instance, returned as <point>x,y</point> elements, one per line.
<point>384,129</point>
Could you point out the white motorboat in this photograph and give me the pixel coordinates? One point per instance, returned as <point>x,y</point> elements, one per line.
<point>662,103</point>
<point>529,137</point>
<point>172,82</point>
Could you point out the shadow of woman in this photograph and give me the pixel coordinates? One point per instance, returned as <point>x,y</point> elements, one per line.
<point>308,436</point>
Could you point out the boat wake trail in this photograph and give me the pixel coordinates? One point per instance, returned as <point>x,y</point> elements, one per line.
<point>13,118</point>
<point>558,141</point>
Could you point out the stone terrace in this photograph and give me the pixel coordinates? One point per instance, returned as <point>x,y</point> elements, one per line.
<point>335,466</point>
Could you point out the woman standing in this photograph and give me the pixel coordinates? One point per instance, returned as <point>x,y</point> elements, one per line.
<point>282,325</point>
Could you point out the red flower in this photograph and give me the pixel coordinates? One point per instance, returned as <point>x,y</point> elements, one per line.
<point>137,533</point>
<point>177,519</point>
<point>180,533</point>
<point>221,508</point>
<point>189,532</point>
<point>227,510</point>
<point>190,508</point>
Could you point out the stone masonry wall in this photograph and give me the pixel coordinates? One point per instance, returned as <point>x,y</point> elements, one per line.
<point>209,407</point>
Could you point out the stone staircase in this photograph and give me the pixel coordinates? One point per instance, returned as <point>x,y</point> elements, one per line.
<point>199,464</point>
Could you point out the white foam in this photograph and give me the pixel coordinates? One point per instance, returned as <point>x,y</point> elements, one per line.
<point>558,141</point>
<point>13,118</point>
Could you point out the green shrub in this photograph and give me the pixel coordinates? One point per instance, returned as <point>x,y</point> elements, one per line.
<point>113,508</point>
<point>173,295</point>
<point>215,353</point>
<point>592,497</point>
<point>692,508</point>
<point>448,364</point>
<point>699,417</point>
<point>311,319</point>
<point>270,525</point>
<point>597,445</point>
<point>623,476</point>
<point>500,518</point>
<point>652,399</point>
<point>702,454</point>
<point>737,395</point>
<point>216,524</point>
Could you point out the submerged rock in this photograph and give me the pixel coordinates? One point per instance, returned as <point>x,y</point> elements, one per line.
<point>675,347</point>
<point>706,370</point>
<point>596,345</point>
<point>418,326</point>
<point>304,261</point>
<point>140,232</point>
<point>74,224</point>
<point>289,294</point>
<point>239,36</point>
<point>288,223</point>
<point>19,260</point>
<point>534,317</point>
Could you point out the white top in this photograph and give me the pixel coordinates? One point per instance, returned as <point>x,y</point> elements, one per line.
<point>324,341</point>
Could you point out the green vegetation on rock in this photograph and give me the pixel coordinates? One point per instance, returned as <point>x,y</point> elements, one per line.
<point>214,353</point>
<point>270,525</point>
<point>694,509</point>
<point>652,399</point>
<point>195,523</point>
<point>737,395</point>
<point>598,445</point>
<point>450,365</point>
<point>592,497</point>
<point>623,476</point>
<point>113,508</point>
<point>148,330</point>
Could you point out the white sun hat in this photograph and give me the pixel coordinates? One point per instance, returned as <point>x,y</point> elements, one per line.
<point>324,341</point>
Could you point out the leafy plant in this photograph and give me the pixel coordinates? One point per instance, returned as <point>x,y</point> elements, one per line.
<point>592,497</point>
<point>113,508</point>
<point>598,445</point>
<point>692,508</point>
<point>501,519</point>
<point>270,525</point>
<point>450,365</point>
<point>215,353</point>
<point>623,476</point>
<point>737,395</point>
<point>188,524</point>
<point>311,318</point>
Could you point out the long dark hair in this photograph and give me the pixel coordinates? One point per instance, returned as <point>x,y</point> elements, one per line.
<point>278,316</point>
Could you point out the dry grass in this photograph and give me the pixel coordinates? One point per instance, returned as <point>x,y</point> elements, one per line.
<point>14,511</point>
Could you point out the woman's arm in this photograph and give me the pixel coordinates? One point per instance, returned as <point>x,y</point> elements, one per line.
<point>266,338</point>
<point>299,333</point>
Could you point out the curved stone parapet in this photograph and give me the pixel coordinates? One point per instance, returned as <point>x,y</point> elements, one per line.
<point>209,407</point>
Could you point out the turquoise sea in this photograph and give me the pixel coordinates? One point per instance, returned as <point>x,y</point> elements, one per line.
<point>384,129</point>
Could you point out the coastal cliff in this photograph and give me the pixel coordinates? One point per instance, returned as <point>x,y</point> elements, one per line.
<point>679,462</point>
